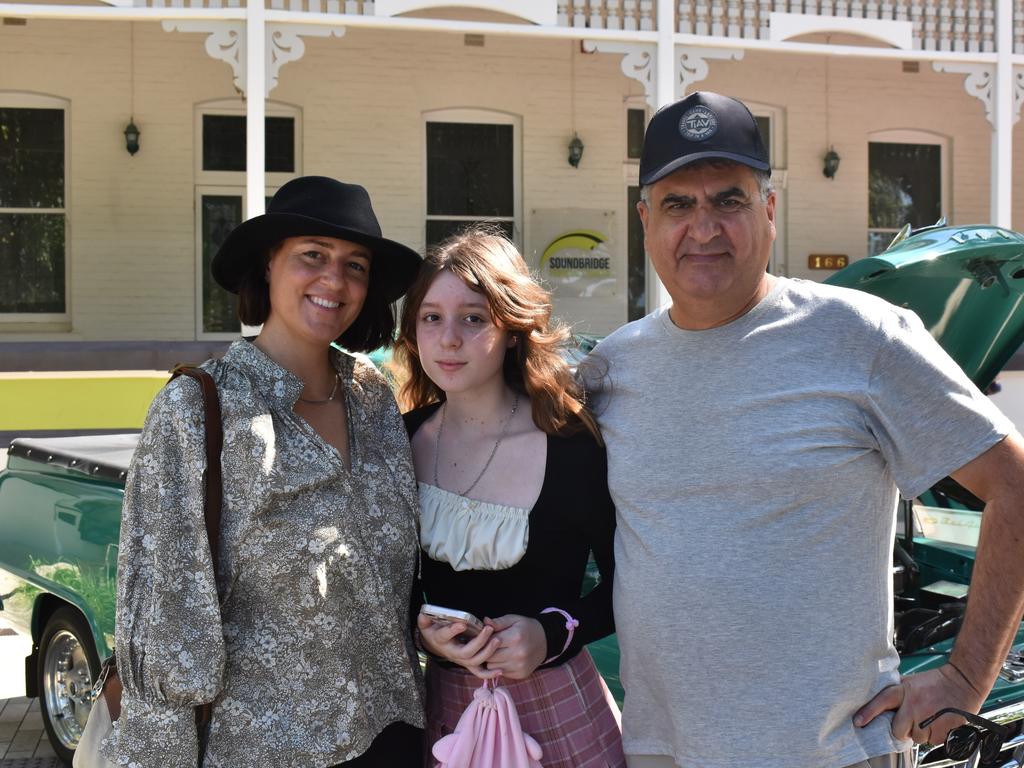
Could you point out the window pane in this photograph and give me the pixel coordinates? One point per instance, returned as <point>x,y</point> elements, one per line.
<point>469,169</point>
<point>221,214</point>
<point>904,185</point>
<point>439,229</point>
<point>280,145</point>
<point>635,120</point>
<point>32,158</point>
<point>224,143</point>
<point>32,262</point>
<point>636,269</point>
<point>764,126</point>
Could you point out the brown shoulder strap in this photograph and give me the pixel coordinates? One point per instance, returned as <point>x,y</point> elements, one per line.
<point>213,489</point>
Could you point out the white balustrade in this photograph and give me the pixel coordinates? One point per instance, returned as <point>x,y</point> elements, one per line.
<point>629,20</point>
<point>701,19</point>
<point>732,18</point>
<point>973,26</point>
<point>959,26</point>
<point>749,19</point>
<point>988,26</point>
<point>1018,26</point>
<point>684,17</point>
<point>646,15</point>
<point>612,17</point>
<point>916,23</point>
<point>717,22</point>
<point>936,25</point>
<point>945,26</point>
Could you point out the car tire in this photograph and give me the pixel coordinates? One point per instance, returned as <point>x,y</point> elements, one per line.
<point>67,668</point>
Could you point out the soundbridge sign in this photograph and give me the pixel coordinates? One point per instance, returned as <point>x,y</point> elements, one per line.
<point>574,253</point>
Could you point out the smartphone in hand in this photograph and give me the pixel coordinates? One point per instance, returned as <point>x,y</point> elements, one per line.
<point>449,616</point>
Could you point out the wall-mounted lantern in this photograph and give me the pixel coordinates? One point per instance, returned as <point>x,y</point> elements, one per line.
<point>575,151</point>
<point>131,137</point>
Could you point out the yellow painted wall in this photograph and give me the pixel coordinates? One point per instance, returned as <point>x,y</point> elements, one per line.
<point>77,400</point>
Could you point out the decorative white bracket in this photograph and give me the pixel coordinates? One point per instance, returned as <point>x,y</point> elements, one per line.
<point>637,62</point>
<point>226,42</point>
<point>978,83</point>
<point>692,64</point>
<point>284,44</point>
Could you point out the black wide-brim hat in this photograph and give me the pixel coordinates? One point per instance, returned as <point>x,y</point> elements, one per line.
<point>316,205</point>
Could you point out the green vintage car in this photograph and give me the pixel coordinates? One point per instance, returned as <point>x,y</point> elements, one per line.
<point>60,503</point>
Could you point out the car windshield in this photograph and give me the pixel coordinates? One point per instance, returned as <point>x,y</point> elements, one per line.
<point>952,526</point>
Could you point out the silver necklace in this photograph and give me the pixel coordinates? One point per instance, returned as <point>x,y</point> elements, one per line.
<point>494,450</point>
<point>330,397</point>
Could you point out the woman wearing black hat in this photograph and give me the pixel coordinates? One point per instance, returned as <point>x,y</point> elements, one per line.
<point>299,635</point>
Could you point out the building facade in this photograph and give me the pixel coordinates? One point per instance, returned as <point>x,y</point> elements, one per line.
<point>454,112</point>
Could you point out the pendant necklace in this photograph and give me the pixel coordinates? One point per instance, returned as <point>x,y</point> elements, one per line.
<point>494,450</point>
<point>330,397</point>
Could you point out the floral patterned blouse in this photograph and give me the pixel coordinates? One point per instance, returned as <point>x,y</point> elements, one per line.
<point>308,654</point>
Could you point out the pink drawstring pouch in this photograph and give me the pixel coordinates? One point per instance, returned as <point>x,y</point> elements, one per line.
<point>488,735</point>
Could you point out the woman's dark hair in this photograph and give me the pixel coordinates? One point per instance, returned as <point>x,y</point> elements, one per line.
<point>374,327</point>
<point>490,265</point>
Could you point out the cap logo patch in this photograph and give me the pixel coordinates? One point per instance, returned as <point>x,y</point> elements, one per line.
<point>698,124</point>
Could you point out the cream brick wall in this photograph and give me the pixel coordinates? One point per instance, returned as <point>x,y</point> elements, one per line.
<point>362,97</point>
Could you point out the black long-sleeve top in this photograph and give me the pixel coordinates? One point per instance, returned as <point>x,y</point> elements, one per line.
<point>573,516</point>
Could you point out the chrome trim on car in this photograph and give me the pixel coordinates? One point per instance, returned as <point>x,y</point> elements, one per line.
<point>1013,667</point>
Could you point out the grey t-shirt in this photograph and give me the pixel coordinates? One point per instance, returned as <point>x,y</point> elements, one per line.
<point>754,468</point>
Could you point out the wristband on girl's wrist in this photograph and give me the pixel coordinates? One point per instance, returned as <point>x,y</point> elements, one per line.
<point>570,625</point>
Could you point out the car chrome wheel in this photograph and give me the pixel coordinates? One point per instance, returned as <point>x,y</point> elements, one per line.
<point>67,687</point>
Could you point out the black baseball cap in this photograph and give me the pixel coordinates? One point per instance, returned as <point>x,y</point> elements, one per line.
<point>703,125</point>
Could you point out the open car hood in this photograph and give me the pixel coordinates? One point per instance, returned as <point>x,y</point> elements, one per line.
<point>967,285</point>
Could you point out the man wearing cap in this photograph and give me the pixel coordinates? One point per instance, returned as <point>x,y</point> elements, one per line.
<point>758,430</point>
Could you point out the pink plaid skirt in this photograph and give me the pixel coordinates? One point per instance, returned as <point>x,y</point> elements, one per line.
<point>567,709</point>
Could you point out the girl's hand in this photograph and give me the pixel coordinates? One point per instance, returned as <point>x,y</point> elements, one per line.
<point>523,645</point>
<point>441,640</point>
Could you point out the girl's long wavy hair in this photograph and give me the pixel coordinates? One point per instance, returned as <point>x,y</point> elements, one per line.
<point>489,264</point>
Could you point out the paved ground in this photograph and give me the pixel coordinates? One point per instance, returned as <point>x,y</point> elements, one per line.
<point>23,742</point>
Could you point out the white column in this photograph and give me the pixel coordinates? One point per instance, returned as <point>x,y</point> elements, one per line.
<point>665,68</point>
<point>255,106</point>
<point>1003,119</point>
<point>665,92</point>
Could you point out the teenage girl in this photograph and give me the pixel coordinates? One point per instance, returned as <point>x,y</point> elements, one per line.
<point>513,495</point>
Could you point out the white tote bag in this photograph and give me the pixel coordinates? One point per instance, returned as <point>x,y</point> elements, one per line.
<point>97,728</point>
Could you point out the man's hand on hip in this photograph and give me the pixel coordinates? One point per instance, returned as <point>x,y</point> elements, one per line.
<point>916,698</point>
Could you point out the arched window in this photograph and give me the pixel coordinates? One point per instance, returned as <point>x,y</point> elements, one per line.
<point>908,183</point>
<point>220,141</point>
<point>474,171</point>
<point>33,207</point>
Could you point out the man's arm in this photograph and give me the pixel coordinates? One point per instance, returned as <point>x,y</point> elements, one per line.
<point>994,607</point>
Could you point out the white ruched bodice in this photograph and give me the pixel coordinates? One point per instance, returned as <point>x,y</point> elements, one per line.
<point>469,534</point>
